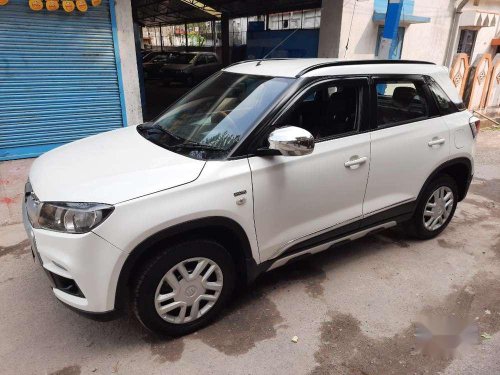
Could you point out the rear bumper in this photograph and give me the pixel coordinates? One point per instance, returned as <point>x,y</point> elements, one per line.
<point>83,269</point>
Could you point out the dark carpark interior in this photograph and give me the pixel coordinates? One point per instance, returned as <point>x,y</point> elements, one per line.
<point>206,27</point>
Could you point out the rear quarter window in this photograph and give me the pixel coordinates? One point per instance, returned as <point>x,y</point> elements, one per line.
<point>443,101</point>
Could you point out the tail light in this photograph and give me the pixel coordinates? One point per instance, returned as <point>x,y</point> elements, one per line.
<point>474,124</point>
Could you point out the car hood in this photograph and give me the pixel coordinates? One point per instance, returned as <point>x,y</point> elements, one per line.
<point>111,167</point>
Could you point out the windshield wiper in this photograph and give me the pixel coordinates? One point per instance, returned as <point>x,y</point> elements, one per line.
<point>162,129</point>
<point>199,146</point>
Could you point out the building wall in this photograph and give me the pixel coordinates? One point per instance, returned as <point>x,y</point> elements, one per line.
<point>428,41</point>
<point>425,41</point>
<point>128,62</point>
<point>358,33</point>
<point>485,34</point>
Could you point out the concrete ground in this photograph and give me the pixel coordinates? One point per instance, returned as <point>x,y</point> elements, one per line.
<point>352,308</point>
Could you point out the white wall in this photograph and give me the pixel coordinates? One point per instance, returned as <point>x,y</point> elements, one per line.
<point>485,34</point>
<point>128,59</point>
<point>427,41</point>
<point>358,27</point>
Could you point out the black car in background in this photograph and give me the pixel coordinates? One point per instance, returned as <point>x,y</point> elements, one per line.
<point>152,65</point>
<point>189,67</point>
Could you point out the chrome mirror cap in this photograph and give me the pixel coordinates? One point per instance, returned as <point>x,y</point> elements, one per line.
<point>291,141</point>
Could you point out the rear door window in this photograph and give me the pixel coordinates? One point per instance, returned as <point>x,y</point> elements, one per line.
<point>211,59</point>
<point>400,102</point>
<point>202,60</point>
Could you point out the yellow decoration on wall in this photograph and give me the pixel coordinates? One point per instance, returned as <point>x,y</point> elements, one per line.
<point>81,5</point>
<point>52,5</point>
<point>36,5</point>
<point>4,2</point>
<point>95,3</point>
<point>68,5</point>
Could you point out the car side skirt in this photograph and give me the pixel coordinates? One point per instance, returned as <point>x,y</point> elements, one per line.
<point>340,235</point>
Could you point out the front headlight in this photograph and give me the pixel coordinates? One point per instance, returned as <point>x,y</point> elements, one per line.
<point>66,217</point>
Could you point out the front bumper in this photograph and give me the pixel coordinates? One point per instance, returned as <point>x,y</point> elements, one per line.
<point>83,268</point>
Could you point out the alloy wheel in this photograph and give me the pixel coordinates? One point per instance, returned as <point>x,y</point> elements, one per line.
<point>438,208</point>
<point>188,290</point>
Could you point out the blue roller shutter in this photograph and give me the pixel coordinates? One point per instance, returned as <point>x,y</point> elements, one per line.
<point>58,78</point>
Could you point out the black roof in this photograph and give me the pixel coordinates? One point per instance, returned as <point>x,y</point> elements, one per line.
<point>173,12</point>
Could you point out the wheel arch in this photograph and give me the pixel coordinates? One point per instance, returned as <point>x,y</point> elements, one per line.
<point>226,231</point>
<point>460,169</point>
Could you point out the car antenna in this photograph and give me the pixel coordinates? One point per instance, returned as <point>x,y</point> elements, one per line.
<point>279,44</point>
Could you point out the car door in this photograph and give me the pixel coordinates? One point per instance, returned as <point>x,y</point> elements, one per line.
<point>300,200</point>
<point>408,142</point>
<point>200,67</point>
<point>213,64</point>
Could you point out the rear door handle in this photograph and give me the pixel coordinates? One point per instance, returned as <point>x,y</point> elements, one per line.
<point>355,161</point>
<point>436,142</point>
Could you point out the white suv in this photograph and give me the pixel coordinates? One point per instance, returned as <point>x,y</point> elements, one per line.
<point>264,162</point>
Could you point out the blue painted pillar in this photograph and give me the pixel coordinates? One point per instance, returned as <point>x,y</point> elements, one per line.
<point>388,43</point>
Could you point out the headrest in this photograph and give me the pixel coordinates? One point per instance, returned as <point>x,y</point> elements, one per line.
<point>404,95</point>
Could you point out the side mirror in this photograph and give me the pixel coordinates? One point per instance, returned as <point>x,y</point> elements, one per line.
<point>291,141</point>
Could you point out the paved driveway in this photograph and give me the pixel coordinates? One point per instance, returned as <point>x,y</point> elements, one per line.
<point>352,308</point>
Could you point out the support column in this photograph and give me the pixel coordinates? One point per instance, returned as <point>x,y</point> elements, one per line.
<point>388,42</point>
<point>331,24</point>
<point>212,24</point>
<point>186,35</point>
<point>161,38</point>
<point>130,86</point>
<point>225,39</point>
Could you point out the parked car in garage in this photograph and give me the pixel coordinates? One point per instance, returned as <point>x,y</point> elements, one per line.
<point>190,67</point>
<point>149,55</point>
<point>152,67</point>
<point>262,164</point>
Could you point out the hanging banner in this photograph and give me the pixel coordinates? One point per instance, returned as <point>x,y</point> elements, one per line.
<point>68,5</point>
<point>52,5</point>
<point>4,2</point>
<point>96,3</point>
<point>36,5</point>
<point>81,5</point>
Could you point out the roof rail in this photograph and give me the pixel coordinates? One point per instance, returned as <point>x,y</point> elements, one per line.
<point>257,60</point>
<point>358,62</point>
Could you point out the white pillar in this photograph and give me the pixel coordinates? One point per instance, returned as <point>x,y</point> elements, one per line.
<point>128,59</point>
<point>331,24</point>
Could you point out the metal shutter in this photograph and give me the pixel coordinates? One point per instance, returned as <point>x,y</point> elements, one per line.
<point>58,77</point>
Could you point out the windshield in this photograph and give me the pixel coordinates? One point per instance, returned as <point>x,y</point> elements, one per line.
<point>210,120</point>
<point>182,58</point>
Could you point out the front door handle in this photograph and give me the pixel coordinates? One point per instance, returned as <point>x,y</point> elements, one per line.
<point>436,142</point>
<point>355,161</point>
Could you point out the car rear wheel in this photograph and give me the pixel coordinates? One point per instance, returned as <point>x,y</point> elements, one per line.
<point>184,287</point>
<point>435,208</point>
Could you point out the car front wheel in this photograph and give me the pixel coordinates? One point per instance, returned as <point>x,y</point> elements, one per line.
<point>184,288</point>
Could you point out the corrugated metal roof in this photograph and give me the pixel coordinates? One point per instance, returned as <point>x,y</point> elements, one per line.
<point>156,12</point>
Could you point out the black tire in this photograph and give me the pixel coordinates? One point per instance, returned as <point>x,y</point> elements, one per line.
<point>415,227</point>
<point>151,273</point>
